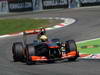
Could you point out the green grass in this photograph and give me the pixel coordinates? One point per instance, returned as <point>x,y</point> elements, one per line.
<point>17,25</point>
<point>90,47</point>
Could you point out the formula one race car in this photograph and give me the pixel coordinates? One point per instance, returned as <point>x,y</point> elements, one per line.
<point>43,49</point>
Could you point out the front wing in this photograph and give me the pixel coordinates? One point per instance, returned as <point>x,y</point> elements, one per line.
<point>71,54</point>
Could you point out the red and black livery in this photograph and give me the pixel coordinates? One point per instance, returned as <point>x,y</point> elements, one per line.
<point>48,51</point>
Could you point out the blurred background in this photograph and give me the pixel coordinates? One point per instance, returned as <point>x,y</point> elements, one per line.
<point>7,6</point>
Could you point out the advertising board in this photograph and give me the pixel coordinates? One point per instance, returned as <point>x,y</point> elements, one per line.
<point>20,5</point>
<point>89,2</point>
<point>50,4</point>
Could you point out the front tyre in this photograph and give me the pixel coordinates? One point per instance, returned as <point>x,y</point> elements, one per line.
<point>70,46</point>
<point>30,51</point>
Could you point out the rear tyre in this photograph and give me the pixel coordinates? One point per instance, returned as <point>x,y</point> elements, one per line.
<point>30,51</point>
<point>70,45</point>
<point>18,51</point>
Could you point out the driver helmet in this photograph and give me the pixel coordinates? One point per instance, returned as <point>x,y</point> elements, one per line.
<point>43,38</point>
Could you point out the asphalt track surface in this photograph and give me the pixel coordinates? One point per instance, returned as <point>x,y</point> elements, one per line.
<point>86,27</point>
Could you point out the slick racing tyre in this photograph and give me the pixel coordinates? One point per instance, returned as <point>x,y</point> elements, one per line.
<point>30,51</point>
<point>70,45</point>
<point>18,51</point>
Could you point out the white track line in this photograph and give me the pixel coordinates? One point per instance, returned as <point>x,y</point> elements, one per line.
<point>87,40</point>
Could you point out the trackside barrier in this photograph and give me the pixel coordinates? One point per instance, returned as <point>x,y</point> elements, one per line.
<point>7,6</point>
<point>3,7</point>
<point>37,5</point>
<point>20,5</point>
<point>89,2</point>
<point>51,4</point>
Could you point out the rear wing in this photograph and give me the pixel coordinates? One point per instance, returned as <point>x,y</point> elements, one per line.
<point>35,31</point>
<point>32,32</point>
